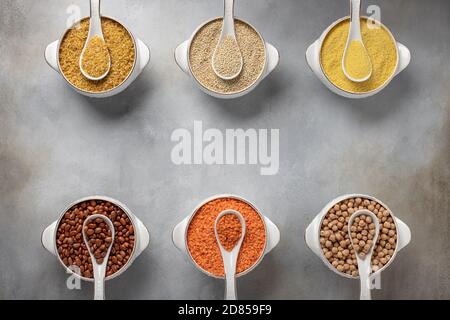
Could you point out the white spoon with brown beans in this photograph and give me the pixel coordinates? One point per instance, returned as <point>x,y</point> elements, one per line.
<point>98,235</point>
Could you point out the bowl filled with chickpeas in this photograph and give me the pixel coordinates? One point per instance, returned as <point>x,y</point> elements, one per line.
<point>328,235</point>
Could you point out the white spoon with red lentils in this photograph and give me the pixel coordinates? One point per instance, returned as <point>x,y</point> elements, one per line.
<point>98,236</point>
<point>227,61</point>
<point>363,231</point>
<point>95,60</point>
<point>229,229</point>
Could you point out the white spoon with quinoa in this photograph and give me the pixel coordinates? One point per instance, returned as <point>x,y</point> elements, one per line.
<point>95,60</point>
<point>227,61</point>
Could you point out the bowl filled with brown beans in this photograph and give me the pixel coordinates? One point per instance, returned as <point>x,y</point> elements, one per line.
<point>328,235</point>
<point>64,237</point>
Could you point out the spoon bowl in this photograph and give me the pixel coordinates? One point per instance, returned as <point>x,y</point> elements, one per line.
<point>355,38</point>
<point>230,257</point>
<point>228,37</point>
<point>99,269</point>
<point>364,262</point>
<point>95,30</point>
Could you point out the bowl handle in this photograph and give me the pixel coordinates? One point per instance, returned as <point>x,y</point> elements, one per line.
<point>311,238</point>
<point>144,54</point>
<point>178,235</point>
<point>273,235</point>
<point>404,234</point>
<point>312,58</point>
<point>404,57</point>
<point>181,56</point>
<point>273,58</point>
<point>51,55</point>
<point>48,238</point>
<point>144,236</point>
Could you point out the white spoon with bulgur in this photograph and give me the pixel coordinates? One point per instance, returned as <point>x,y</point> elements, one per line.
<point>95,60</point>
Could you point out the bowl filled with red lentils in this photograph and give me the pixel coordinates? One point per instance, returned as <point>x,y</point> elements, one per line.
<point>328,235</point>
<point>129,56</point>
<point>64,237</point>
<point>195,236</point>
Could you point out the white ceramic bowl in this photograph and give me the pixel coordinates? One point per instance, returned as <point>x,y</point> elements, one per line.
<point>182,59</point>
<point>312,234</point>
<point>313,60</point>
<point>179,235</point>
<point>142,58</point>
<point>140,232</point>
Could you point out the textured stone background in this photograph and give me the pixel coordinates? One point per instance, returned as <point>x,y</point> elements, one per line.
<point>57,146</point>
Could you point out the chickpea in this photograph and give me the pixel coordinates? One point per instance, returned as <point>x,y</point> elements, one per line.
<point>336,241</point>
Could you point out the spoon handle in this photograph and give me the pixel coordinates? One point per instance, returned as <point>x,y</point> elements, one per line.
<point>95,26</point>
<point>364,276</point>
<point>355,23</point>
<point>230,276</point>
<point>228,18</point>
<point>99,281</point>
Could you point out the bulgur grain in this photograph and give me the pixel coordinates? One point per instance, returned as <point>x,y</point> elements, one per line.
<point>95,60</point>
<point>122,53</point>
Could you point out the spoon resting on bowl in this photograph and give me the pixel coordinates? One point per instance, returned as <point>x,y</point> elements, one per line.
<point>95,60</point>
<point>365,225</point>
<point>98,236</point>
<point>227,61</point>
<point>356,62</point>
<point>230,253</point>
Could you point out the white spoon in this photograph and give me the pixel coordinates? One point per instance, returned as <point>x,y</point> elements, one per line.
<point>230,257</point>
<point>364,263</point>
<point>99,269</point>
<point>354,34</point>
<point>95,30</point>
<point>228,33</point>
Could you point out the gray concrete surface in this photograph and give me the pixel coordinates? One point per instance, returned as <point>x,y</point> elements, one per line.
<point>57,146</point>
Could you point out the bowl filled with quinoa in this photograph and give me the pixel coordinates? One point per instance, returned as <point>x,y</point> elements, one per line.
<point>328,235</point>
<point>129,56</point>
<point>194,57</point>
<point>195,236</point>
<point>64,237</point>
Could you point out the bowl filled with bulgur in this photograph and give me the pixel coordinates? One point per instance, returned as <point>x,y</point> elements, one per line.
<point>328,235</point>
<point>194,57</point>
<point>195,236</point>
<point>129,56</point>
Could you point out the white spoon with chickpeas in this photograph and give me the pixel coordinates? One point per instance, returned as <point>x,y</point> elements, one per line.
<point>363,231</point>
<point>98,236</point>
